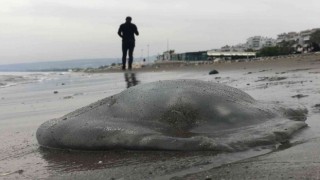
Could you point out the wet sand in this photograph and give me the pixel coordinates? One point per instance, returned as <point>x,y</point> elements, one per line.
<point>288,80</point>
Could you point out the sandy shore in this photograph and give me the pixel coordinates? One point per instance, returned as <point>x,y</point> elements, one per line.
<point>268,62</point>
<point>291,81</point>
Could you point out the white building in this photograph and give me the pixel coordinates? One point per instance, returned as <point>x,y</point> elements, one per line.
<point>268,42</point>
<point>306,35</point>
<point>234,48</point>
<point>240,47</point>
<point>281,38</point>
<point>258,42</point>
<point>301,38</point>
<point>166,56</point>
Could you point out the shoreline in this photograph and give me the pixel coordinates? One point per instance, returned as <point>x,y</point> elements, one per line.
<point>206,65</point>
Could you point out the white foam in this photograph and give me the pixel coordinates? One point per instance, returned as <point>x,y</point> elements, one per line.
<point>14,79</point>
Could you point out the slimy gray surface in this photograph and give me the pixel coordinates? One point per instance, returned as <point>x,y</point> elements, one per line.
<point>174,115</point>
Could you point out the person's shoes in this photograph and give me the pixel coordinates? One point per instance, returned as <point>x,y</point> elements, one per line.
<point>123,68</point>
<point>130,68</point>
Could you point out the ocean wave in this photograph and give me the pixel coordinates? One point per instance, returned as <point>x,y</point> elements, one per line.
<point>8,80</point>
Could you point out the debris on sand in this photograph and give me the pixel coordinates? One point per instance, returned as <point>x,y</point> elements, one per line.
<point>274,78</point>
<point>316,108</point>
<point>264,70</point>
<point>9,173</point>
<point>55,92</point>
<point>280,72</point>
<point>299,96</point>
<point>67,97</point>
<point>213,72</point>
<point>296,70</point>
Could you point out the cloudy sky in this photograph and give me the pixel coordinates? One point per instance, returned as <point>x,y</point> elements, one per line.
<point>49,30</point>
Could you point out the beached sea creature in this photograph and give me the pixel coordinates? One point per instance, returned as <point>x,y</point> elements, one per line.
<point>174,115</point>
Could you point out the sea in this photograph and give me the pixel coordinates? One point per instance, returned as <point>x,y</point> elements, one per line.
<point>58,65</point>
<point>63,65</point>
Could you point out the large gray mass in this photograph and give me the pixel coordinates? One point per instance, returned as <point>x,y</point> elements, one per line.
<point>173,115</point>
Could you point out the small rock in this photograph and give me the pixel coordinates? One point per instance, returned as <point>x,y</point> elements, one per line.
<point>67,97</point>
<point>213,72</point>
<point>276,78</point>
<point>100,162</point>
<point>316,108</point>
<point>55,92</point>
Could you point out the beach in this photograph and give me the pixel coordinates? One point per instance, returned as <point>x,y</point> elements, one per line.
<point>29,99</point>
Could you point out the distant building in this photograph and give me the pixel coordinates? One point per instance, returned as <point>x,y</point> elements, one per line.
<point>206,55</point>
<point>195,56</point>
<point>166,56</point>
<point>281,38</point>
<point>268,42</point>
<point>254,42</point>
<point>306,35</point>
<point>190,56</point>
<point>240,47</point>
<point>225,48</point>
<point>212,54</point>
<point>259,42</point>
<point>235,48</point>
<point>288,37</point>
<point>301,40</point>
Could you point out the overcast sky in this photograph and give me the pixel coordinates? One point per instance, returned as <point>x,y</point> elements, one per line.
<point>46,30</point>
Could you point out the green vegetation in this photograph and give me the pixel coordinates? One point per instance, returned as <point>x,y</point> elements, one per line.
<point>284,48</point>
<point>315,40</point>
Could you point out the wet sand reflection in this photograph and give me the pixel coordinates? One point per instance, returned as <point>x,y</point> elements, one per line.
<point>71,161</point>
<point>131,79</point>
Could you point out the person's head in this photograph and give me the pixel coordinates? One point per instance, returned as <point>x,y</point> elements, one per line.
<point>128,19</point>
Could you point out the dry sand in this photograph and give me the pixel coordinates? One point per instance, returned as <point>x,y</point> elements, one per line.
<point>292,80</point>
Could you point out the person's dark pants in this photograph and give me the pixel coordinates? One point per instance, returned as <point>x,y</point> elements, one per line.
<point>127,46</point>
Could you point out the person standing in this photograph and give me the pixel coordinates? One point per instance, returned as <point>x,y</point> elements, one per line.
<point>127,31</point>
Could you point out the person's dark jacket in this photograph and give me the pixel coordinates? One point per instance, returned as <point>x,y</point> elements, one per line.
<point>127,31</point>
